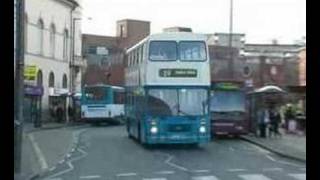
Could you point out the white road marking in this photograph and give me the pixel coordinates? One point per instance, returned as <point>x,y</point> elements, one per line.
<point>254,177</point>
<point>40,156</point>
<point>201,171</point>
<point>303,169</point>
<point>170,157</point>
<point>272,169</point>
<point>291,164</point>
<point>70,164</point>
<point>126,174</point>
<point>236,170</point>
<point>205,178</point>
<point>270,158</point>
<point>164,172</point>
<point>231,149</point>
<point>264,151</point>
<point>154,178</point>
<point>90,177</point>
<point>298,176</point>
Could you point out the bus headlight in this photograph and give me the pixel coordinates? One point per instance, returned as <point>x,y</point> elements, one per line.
<point>202,129</point>
<point>154,130</point>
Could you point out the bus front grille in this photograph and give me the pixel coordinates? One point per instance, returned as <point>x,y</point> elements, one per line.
<point>179,128</point>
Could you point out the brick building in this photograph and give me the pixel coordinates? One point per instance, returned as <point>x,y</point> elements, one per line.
<point>302,67</point>
<point>256,64</point>
<point>108,68</point>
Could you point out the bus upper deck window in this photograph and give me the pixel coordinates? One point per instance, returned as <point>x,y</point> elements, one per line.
<point>192,50</point>
<point>163,50</point>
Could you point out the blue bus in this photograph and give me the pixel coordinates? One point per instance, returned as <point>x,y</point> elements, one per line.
<point>167,80</point>
<point>228,108</point>
<point>102,103</point>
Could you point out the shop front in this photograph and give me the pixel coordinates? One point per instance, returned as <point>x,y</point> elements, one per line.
<point>58,101</point>
<point>32,104</point>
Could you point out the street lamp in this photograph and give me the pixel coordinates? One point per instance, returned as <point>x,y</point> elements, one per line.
<point>230,39</point>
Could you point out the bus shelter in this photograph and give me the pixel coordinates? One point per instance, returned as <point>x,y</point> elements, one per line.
<point>263,97</point>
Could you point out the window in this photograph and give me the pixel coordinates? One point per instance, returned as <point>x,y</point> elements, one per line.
<point>138,55</point>
<point>39,78</point>
<point>130,59</point>
<point>40,35</point>
<point>141,54</point>
<point>121,31</point>
<point>95,93</point>
<point>163,50</point>
<point>64,81</point>
<point>246,71</point>
<point>51,79</point>
<point>92,50</point>
<point>192,50</point>
<point>52,39</point>
<point>65,44</point>
<point>134,57</point>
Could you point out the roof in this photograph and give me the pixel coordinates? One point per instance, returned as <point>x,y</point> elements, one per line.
<point>172,36</point>
<point>105,85</point>
<point>237,34</point>
<point>269,89</point>
<point>135,20</point>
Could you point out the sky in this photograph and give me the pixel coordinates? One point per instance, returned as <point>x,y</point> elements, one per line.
<point>260,20</point>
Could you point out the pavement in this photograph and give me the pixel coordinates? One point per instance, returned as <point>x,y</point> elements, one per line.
<point>45,147</point>
<point>106,152</point>
<point>289,145</point>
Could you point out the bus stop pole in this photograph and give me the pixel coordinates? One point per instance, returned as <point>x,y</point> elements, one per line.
<point>19,88</point>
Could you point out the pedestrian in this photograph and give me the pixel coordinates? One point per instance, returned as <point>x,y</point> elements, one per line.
<point>59,114</point>
<point>289,116</point>
<point>275,120</point>
<point>71,113</point>
<point>263,121</point>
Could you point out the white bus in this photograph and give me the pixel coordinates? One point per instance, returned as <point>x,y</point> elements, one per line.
<point>102,103</point>
<point>167,82</point>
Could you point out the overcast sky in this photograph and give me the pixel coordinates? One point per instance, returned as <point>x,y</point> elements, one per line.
<point>260,20</point>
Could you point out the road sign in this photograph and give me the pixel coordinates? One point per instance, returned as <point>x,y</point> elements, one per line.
<point>30,73</point>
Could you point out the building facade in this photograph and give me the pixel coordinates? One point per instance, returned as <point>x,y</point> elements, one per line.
<point>53,46</point>
<point>104,55</point>
<point>255,64</point>
<point>302,67</point>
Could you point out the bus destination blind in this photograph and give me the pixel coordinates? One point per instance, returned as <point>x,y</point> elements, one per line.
<point>178,73</point>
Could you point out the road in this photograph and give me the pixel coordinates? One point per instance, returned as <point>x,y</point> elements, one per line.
<point>107,153</point>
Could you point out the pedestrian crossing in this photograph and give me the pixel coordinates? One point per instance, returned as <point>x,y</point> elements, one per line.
<point>238,177</point>
<point>209,176</point>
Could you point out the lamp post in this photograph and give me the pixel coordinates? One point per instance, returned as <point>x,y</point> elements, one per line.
<point>19,80</point>
<point>230,40</point>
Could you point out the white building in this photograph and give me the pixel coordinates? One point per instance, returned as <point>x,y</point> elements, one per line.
<point>49,29</point>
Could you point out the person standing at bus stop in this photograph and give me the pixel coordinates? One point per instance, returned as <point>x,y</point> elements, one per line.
<point>275,120</point>
<point>289,116</point>
<point>263,121</point>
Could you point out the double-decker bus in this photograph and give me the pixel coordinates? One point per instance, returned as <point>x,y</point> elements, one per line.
<point>167,89</point>
<point>102,103</point>
<point>228,108</point>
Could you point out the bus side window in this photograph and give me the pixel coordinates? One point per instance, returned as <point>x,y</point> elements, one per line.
<point>128,59</point>
<point>138,55</point>
<point>141,53</point>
